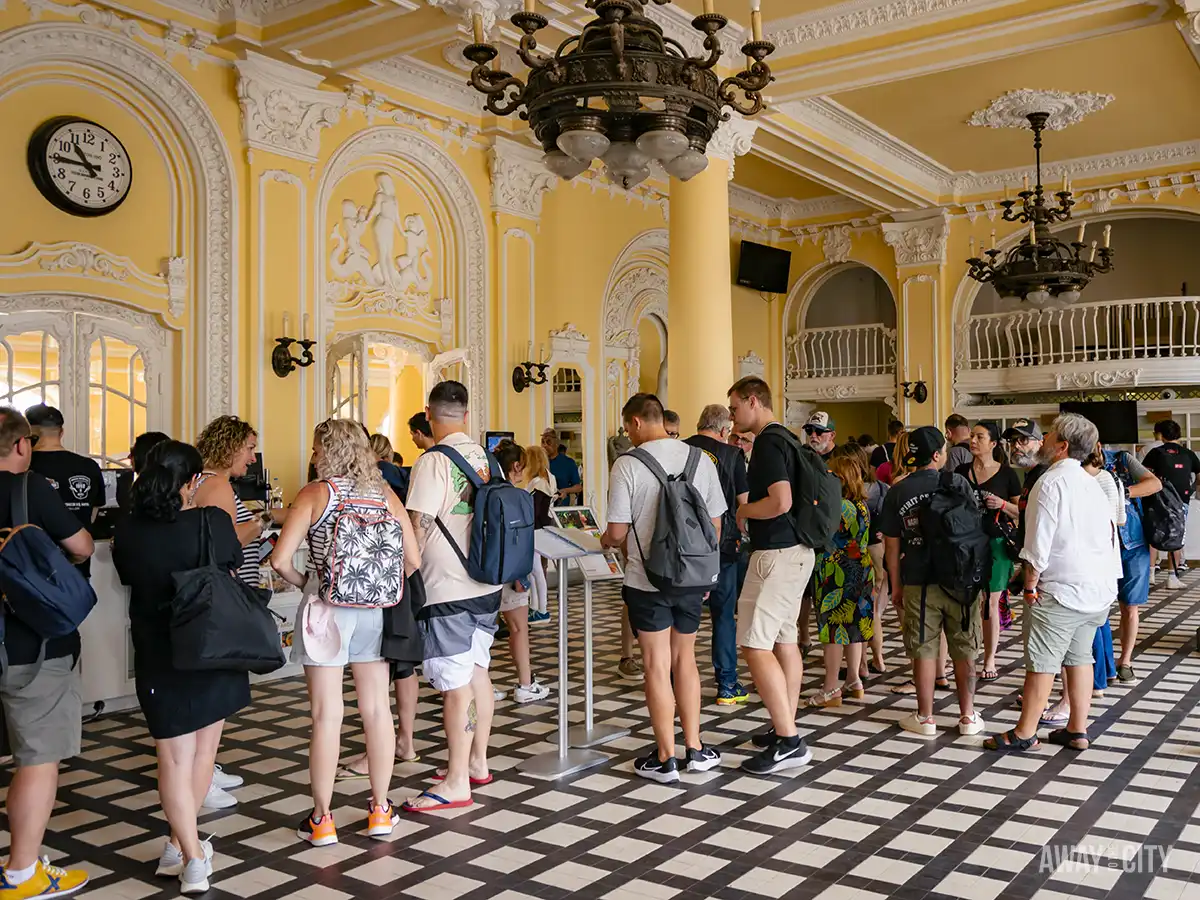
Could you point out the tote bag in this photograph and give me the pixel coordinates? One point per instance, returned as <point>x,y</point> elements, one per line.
<point>220,622</point>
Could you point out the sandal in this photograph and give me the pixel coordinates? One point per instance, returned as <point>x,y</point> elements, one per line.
<point>942,684</point>
<point>824,699</point>
<point>988,675</point>
<point>1069,739</point>
<point>876,670</point>
<point>1008,742</point>
<point>854,691</point>
<point>906,688</point>
<point>1058,720</point>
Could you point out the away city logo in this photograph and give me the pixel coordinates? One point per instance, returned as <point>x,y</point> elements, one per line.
<point>1129,857</point>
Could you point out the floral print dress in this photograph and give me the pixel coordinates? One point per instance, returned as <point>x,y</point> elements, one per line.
<point>846,581</point>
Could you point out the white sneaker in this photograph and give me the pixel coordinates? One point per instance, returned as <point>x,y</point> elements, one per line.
<point>224,780</point>
<point>193,879</point>
<point>216,798</point>
<point>1173,582</point>
<point>531,694</point>
<point>973,725</point>
<point>170,863</point>
<point>1154,576</point>
<point>498,694</point>
<point>914,723</point>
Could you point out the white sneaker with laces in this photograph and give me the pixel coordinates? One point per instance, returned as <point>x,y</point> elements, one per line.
<point>225,780</point>
<point>193,879</point>
<point>170,863</point>
<point>915,724</point>
<point>531,694</point>
<point>972,725</point>
<point>498,694</point>
<point>1154,577</point>
<point>1173,582</point>
<point>216,798</point>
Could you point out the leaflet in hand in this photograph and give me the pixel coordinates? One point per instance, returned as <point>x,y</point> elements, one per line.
<point>577,537</point>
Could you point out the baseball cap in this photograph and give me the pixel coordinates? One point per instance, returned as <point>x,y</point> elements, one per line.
<point>43,416</point>
<point>923,445</point>
<point>1023,428</point>
<point>820,421</point>
<point>322,641</point>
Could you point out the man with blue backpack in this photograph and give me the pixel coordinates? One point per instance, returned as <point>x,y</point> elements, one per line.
<point>45,599</point>
<point>475,530</point>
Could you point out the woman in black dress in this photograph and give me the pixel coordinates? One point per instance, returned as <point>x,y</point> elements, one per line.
<point>184,711</point>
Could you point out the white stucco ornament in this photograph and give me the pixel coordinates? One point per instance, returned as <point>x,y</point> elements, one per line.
<point>1065,108</point>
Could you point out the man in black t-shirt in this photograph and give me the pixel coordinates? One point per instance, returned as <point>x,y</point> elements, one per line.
<point>1178,466</point>
<point>76,478</point>
<point>779,568</point>
<point>712,436</point>
<point>41,703</point>
<point>884,453</point>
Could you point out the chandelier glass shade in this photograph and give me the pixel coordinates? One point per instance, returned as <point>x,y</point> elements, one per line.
<point>621,91</point>
<point>1041,267</point>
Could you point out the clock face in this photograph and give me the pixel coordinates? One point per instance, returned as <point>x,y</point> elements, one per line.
<point>80,166</point>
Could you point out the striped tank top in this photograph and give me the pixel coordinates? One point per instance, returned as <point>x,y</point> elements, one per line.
<point>249,571</point>
<point>320,535</point>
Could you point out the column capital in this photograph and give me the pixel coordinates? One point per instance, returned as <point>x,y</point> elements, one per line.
<point>733,138</point>
<point>519,179</point>
<point>919,237</point>
<point>283,109</point>
<point>490,11</point>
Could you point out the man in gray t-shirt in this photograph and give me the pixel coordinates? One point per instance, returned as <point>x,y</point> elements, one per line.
<point>958,442</point>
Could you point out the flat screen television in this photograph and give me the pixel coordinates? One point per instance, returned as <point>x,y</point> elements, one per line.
<point>492,439</point>
<point>763,268</point>
<point>1116,420</point>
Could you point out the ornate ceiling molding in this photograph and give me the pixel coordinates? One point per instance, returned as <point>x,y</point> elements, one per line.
<point>519,179</point>
<point>919,238</point>
<point>859,19</point>
<point>491,11</point>
<point>283,111</point>
<point>253,12</point>
<point>1065,108</point>
<point>1189,25</point>
<point>836,244</point>
<point>733,138</point>
<point>428,82</point>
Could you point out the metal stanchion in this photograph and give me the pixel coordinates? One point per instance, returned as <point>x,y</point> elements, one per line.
<point>589,734</point>
<point>564,760</point>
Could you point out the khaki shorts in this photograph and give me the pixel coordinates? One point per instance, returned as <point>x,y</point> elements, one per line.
<point>1056,636</point>
<point>942,613</point>
<point>44,718</point>
<point>769,605</point>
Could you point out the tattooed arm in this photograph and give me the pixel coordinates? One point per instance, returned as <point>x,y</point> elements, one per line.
<point>422,524</point>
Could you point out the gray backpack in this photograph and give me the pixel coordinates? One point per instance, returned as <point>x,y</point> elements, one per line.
<point>684,554</point>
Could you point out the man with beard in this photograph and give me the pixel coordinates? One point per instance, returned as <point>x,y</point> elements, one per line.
<point>1024,438</point>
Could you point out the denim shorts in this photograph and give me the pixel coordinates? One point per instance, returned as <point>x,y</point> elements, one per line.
<point>1134,586</point>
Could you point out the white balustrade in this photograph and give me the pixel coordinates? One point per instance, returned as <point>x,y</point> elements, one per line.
<point>1116,331</point>
<point>842,352</point>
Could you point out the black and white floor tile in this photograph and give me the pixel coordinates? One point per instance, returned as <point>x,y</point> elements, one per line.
<point>880,813</point>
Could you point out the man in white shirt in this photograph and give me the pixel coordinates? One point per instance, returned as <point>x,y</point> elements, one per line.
<point>665,624</point>
<point>1073,563</point>
<point>459,612</point>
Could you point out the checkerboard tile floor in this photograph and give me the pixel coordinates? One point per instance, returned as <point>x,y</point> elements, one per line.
<point>879,813</point>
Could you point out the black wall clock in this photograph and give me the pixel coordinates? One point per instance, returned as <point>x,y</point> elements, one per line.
<point>79,166</point>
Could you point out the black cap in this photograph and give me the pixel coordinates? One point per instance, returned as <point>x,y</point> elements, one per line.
<point>1023,428</point>
<point>923,444</point>
<point>43,416</point>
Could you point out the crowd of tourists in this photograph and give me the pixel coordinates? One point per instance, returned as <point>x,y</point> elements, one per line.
<point>401,570</point>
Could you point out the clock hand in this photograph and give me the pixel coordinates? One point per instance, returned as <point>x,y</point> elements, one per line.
<point>72,162</point>
<point>92,170</point>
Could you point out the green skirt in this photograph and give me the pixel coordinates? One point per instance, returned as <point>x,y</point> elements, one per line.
<point>1002,567</point>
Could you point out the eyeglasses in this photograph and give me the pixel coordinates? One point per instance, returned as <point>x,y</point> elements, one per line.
<point>672,434</point>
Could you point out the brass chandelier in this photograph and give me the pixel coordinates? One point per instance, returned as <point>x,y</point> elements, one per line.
<point>1041,266</point>
<point>621,91</point>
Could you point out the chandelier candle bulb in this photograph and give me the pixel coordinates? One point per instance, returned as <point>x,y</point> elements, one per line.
<point>1026,182</point>
<point>304,332</point>
<point>756,19</point>
<point>287,321</point>
<point>1064,187</point>
<point>972,248</point>
<point>1082,226</point>
<point>1007,192</point>
<point>1092,255</point>
<point>993,246</point>
<point>477,27</point>
<point>709,7</point>
<point>530,6</point>
<point>1107,235</point>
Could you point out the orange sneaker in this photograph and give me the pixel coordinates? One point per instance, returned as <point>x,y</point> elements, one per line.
<point>381,820</point>
<point>319,833</point>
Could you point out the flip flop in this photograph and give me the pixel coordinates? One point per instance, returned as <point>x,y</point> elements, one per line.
<point>942,684</point>
<point>345,773</point>
<point>443,804</point>
<point>989,675</point>
<point>1053,721</point>
<point>440,776</point>
<point>906,688</point>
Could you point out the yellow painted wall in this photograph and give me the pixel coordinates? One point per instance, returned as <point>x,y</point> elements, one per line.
<point>650,356</point>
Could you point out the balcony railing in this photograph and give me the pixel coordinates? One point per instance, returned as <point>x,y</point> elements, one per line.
<point>1113,331</point>
<point>843,352</point>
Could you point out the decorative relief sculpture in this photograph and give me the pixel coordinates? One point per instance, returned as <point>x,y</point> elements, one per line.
<point>1011,110</point>
<point>751,364</point>
<point>387,282</point>
<point>837,244</point>
<point>1098,379</point>
<point>177,284</point>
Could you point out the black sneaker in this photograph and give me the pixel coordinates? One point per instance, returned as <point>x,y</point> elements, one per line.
<point>764,739</point>
<point>649,766</point>
<point>778,757</point>
<point>703,759</point>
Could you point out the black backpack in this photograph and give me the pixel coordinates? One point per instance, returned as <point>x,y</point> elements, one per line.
<point>1164,519</point>
<point>816,497</point>
<point>955,544</point>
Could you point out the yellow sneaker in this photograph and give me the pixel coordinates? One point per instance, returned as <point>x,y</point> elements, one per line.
<point>47,881</point>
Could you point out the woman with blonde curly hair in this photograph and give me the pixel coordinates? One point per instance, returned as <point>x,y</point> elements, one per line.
<point>328,638</point>
<point>228,445</point>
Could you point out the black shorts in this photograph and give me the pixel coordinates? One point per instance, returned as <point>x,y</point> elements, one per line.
<point>400,670</point>
<point>652,611</point>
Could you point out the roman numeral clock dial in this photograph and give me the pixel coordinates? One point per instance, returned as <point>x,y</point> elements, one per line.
<point>79,166</point>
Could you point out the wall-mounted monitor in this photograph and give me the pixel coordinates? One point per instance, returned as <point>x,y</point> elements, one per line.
<point>763,268</point>
<point>1116,420</point>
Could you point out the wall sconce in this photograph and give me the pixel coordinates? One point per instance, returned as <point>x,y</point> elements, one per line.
<point>915,390</point>
<point>282,361</point>
<point>522,373</point>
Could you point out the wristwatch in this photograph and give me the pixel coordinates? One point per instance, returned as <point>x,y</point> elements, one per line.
<point>1032,593</point>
